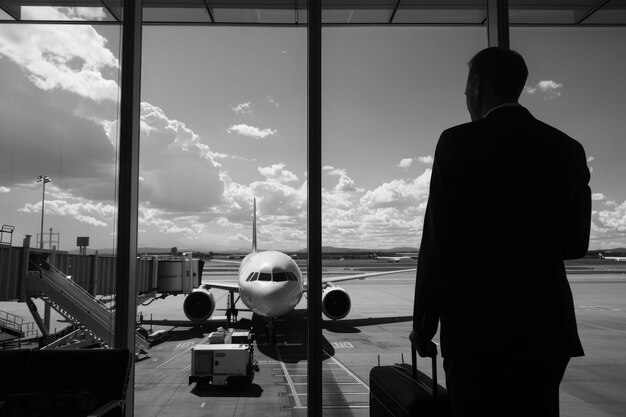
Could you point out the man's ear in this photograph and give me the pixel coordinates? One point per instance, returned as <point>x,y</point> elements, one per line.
<point>473,86</point>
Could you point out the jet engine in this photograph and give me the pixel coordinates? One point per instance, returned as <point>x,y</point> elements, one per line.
<point>335,302</point>
<point>199,304</point>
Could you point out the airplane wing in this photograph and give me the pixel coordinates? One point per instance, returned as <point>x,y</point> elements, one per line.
<point>226,261</point>
<point>332,280</point>
<point>363,275</point>
<point>222,285</point>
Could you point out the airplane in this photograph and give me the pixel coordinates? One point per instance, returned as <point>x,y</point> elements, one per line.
<point>613,258</point>
<point>390,258</point>
<point>270,284</point>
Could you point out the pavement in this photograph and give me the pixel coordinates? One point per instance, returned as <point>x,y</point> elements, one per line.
<point>376,330</point>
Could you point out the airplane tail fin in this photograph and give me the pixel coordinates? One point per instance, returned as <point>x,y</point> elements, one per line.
<point>254,228</point>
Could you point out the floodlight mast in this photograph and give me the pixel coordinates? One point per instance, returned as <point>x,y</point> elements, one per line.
<point>43,179</point>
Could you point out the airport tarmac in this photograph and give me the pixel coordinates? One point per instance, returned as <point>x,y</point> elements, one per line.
<point>377,327</point>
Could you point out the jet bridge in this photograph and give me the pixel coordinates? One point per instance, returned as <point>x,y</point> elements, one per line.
<point>74,303</point>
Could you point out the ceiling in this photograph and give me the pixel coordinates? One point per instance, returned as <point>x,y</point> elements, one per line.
<point>334,12</point>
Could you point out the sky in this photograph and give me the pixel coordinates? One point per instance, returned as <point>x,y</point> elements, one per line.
<point>223,121</point>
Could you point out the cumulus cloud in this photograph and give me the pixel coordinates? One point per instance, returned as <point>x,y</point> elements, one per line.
<point>277,173</point>
<point>251,131</point>
<point>179,171</point>
<point>4,189</point>
<point>242,108</point>
<point>428,160</point>
<point>610,222</point>
<point>330,170</point>
<point>550,89</point>
<point>399,193</point>
<point>598,197</point>
<point>405,163</point>
<point>85,211</point>
<point>71,58</point>
<point>590,158</point>
<point>347,185</point>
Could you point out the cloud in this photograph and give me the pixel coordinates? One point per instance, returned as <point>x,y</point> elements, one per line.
<point>610,224</point>
<point>590,158</point>
<point>94,213</point>
<point>428,160</point>
<point>347,185</point>
<point>277,173</point>
<point>179,171</point>
<point>272,100</point>
<point>330,170</point>
<point>550,89</point>
<point>71,58</point>
<point>4,189</point>
<point>598,197</point>
<point>251,131</point>
<point>243,108</point>
<point>406,162</point>
<point>62,13</point>
<point>399,193</point>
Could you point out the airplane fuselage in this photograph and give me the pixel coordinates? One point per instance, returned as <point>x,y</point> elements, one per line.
<point>270,283</point>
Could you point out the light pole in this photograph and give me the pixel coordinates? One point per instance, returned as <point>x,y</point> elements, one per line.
<point>44,179</point>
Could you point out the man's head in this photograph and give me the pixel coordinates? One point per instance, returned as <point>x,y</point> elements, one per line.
<point>496,76</point>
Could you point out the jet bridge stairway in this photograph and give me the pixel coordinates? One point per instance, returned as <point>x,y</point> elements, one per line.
<point>76,304</point>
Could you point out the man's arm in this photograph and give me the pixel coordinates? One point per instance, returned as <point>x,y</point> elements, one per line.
<point>577,220</point>
<point>425,308</point>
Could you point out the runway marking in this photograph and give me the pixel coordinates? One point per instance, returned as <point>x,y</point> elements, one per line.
<point>180,353</point>
<point>186,368</point>
<point>343,345</point>
<point>602,327</point>
<point>289,381</point>
<point>349,372</point>
<point>202,405</point>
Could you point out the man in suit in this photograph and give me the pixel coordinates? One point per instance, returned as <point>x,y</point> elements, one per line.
<point>509,201</point>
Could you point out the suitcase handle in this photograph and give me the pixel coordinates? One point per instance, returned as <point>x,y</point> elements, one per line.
<point>434,365</point>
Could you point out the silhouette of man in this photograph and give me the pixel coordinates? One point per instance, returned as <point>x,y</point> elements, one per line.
<point>509,201</point>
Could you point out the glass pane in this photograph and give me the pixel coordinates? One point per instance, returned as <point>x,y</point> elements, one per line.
<point>585,102</point>
<point>555,12</point>
<point>387,93</point>
<point>357,11</point>
<point>58,170</point>
<point>168,11</point>
<point>93,12</point>
<point>223,122</point>
<point>461,12</point>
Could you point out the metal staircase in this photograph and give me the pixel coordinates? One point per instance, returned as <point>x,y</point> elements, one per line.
<point>76,304</point>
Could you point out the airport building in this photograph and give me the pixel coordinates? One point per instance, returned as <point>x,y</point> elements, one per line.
<point>129,126</point>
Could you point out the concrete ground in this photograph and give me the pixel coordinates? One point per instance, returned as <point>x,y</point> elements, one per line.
<point>377,327</point>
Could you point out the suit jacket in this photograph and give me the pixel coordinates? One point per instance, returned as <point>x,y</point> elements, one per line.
<point>509,201</point>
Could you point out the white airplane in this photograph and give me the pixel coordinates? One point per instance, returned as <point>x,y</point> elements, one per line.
<point>613,258</point>
<point>391,258</point>
<point>270,284</point>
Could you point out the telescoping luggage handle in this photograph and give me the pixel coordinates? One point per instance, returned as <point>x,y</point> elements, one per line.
<point>434,364</point>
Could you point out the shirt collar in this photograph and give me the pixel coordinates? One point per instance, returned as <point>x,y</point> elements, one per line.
<point>500,106</point>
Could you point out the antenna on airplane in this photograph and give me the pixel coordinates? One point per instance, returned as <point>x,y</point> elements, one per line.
<point>254,227</point>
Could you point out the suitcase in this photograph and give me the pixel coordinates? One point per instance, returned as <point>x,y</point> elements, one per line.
<point>402,390</point>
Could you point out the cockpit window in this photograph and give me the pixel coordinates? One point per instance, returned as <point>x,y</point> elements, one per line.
<point>254,278</point>
<point>280,276</point>
<point>265,277</point>
<point>250,276</point>
<point>292,276</point>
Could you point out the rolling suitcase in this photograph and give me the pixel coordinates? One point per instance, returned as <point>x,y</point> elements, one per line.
<point>403,390</point>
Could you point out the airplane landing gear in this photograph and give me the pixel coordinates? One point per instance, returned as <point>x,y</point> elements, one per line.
<point>231,310</point>
<point>270,331</point>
